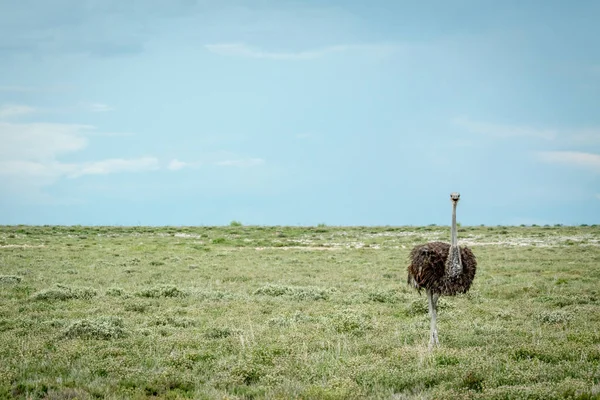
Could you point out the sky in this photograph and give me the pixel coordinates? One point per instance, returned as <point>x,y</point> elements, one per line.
<point>278,112</point>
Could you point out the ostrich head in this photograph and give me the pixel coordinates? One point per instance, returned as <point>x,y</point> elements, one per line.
<point>454,197</point>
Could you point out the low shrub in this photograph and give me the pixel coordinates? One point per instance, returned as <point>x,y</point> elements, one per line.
<point>61,292</point>
<point>385,296</point>
<point>162,291</point>
<point>100,328</point>
<point>351,322</point>
<point>554,317</point>
<point>218,333</point>
<point>10,279</point>
<point>115,292</point>
<point>166,320</point>
<point>296,292</point>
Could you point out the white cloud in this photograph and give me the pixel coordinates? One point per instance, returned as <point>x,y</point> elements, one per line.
<point>25,180</point>
<point>40,141</point>
<point>589,135</point>
<point>503,131</point>
<point>14,110</point>
<point>30,158</point>
<point>34,173</point>
<point>99,107</point>
<point>9,111</point>
<point>176,165</point>
<point>598,196</point>
<point>589,161</point>
<point>243,50</point>
<point>585,136</point>
<point>246,162</point>
<point>213,159</point>
<point>107,134</point>
<point>114,165</point>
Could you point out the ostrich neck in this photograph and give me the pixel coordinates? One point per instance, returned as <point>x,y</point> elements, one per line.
<point>453,233</point>
<point>453,263</point>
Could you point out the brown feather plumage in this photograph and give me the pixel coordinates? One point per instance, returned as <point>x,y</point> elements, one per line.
<point>427,269</point>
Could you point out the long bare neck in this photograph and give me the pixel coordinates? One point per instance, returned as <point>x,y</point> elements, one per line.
<point>453,263</point>
<point>453,232</point>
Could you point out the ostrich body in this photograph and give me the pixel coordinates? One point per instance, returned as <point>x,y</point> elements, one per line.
<point>441,269</point>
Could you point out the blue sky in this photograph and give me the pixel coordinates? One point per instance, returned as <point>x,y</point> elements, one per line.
<point>200,112</point>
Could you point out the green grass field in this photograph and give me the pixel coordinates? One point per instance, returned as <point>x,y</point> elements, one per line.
<point>293,312</point>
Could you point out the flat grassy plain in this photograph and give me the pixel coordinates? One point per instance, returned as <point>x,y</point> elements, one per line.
<point>293,312</point>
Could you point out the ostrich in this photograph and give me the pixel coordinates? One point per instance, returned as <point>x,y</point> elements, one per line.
<point>441,269</point>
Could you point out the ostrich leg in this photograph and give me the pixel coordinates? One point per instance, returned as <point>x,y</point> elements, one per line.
<point>432,299</point>
<point>436,297</point>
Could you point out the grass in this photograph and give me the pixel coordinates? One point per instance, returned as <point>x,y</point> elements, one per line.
<point>244,312</point>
